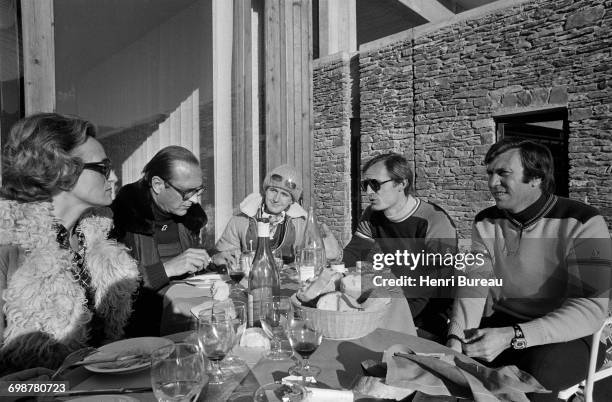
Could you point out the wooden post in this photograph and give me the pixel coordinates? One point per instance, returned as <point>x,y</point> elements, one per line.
<point>337,26</point>
<point>288,86</point>
<point>38,56</point>
<point>242,107</point>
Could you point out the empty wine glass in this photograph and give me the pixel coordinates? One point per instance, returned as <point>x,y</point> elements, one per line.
<point>215,333</point>
<point>275,313</point>
<point>239,320</point>
<point>177,373</point>
<point>304,338</point>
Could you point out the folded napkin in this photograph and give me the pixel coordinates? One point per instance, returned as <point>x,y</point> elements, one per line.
<point>329,395</point>
<point>321,394</point>
<point>457,375</point>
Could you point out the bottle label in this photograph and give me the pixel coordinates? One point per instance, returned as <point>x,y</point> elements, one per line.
<point>306,272</point>
<point>263,229</point>
<point>255,300</point>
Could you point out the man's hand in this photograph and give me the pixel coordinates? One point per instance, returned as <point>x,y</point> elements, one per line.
<point>190,261</point>
<point>229,257</point>
<point>487,343</point>
<point>455,344</point>
<point>332,247</point>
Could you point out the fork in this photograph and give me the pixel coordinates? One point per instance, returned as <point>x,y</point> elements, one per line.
<point>76,356</point>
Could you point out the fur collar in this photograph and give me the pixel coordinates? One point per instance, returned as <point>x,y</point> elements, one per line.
<point>133,211</point>
<point>46,309</point>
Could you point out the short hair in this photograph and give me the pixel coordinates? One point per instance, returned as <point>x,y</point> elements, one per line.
<point>36,161</point>
<point>162,164</point>
<point>536,159</point>
<point>398,168</point>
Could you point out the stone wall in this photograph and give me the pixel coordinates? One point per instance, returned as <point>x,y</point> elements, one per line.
<point>431,93</point>
<point>331,146</point>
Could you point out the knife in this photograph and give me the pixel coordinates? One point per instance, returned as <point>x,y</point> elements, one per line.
<point>109,391</point>
<point>120,359</point>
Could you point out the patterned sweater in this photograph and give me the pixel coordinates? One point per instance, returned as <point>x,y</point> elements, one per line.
<point>555,261</point>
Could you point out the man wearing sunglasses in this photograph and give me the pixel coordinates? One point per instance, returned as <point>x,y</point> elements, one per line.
<point>160,220</point>
<point>396,221</point>
<point>282,191</point>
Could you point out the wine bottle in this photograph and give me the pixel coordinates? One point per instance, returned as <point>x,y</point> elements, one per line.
<point>312,250</point>
<point>264,280</point>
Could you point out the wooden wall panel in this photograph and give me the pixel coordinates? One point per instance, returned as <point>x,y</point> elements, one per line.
<point>242,110</point>
<point>288,86</point>
<point>38,56</point>
<point>181,127</point>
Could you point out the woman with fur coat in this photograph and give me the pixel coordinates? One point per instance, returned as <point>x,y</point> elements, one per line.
<point>63,284</point>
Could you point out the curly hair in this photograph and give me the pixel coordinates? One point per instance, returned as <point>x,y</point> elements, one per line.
<point>36,162</point>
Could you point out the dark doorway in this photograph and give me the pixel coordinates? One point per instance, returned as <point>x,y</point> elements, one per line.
<point>548,127</point>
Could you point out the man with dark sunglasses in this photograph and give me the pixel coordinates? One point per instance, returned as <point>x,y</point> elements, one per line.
<point>397,221</point>
<point>160,219</point>
<point>279,202</point>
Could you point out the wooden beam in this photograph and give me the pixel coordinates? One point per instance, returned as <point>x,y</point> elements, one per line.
<point>273,79</point>
<point>431,10</point>
<point>38,56</point>
<point>337,26</point>
<point>222,30</point>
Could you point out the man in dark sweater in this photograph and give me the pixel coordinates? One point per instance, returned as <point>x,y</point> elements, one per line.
<point>398,222</point>
<point>159,219</point>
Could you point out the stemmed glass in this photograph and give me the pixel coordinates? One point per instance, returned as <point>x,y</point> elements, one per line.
<point>275,314</point>
<point>236,272</point>
<point>239,323</point>
<point>177,373</point>
<point>215,333</point>
<point>304,338</point>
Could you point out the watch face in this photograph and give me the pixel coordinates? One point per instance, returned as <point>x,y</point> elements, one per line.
<point>519,343</point>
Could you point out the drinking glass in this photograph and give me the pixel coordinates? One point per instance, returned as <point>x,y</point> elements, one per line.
<point>232,361</point>
<point>177,373</point>
<point>236,272</point>
<point>278,259</point>
<point>215,333</point>
<point>275,314</point>
<point>304,338</point>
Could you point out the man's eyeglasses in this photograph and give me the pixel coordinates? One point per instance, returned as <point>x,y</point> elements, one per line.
<point>103,167</point>
<point>373,183</point>
<point>186,194</point>
<point>276,178</point>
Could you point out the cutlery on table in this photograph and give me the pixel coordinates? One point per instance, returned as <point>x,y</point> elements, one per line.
<point>109,391</point>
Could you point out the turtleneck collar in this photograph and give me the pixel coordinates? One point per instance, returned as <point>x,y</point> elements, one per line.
<point>532,212</point>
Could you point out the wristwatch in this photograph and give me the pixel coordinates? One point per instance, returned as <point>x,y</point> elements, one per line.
<point>519,341</point>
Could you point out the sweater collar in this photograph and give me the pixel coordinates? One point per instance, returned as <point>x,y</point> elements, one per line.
<point>533,212</point>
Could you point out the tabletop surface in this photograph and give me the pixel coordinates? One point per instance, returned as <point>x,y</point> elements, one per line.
<point>340,362</point>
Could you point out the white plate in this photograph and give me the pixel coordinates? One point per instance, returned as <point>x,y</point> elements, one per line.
<point>205,280</point>
<point>104,398</point>
<point>125,347</point>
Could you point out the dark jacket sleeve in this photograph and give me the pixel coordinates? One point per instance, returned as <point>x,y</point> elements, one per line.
<point>152,270</point>
<point>357,250</point>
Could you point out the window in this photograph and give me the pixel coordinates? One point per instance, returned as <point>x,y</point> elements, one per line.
<point>547,127</point>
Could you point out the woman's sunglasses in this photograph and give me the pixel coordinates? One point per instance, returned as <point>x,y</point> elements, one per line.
<point>104,167</point>
<point>373,183</point>
<point>276,178</point>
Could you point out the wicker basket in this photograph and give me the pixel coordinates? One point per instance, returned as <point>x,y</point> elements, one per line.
<point>343,325</point>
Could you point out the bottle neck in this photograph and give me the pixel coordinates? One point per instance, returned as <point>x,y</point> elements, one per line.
<point>263,239</point>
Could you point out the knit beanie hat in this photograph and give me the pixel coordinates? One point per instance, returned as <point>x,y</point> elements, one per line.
<point>285,177</point>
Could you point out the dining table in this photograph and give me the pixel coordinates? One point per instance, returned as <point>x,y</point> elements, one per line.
<point>180,297</point>
<point>339,360</point>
